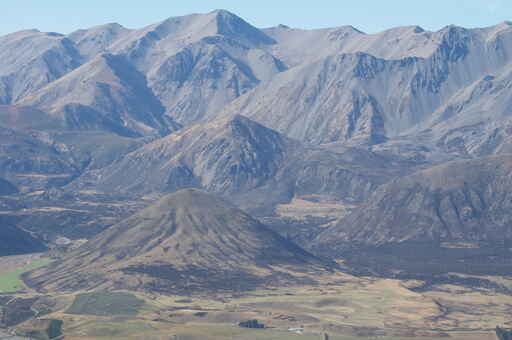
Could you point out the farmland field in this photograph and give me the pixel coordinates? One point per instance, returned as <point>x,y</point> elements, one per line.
<point>10,280</point>
<point>347,308</point>
<point>356,310</point>
<point>106,303</point>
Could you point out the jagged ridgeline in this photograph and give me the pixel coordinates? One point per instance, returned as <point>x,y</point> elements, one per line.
<point>335,126</point>
<point>355,87</point>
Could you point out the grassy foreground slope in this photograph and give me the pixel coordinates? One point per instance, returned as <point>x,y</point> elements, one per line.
<point>348,309</point>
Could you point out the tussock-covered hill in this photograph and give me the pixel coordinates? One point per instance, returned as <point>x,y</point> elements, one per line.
<point>187,240</point>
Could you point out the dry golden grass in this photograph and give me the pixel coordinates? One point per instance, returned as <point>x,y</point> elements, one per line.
<point>381,304</point>
<point>43,175</point>
<point>341,304</point>
<point>300,209</point>
<point>472,309</point>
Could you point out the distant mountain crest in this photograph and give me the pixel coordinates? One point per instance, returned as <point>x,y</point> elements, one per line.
<point>268,118</point>
<point>233,26</point>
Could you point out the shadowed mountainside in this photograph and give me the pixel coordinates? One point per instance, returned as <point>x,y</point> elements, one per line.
<point>252,166</point>
<point>463,201</point>
<point>7,188</point>
<point>15,241</point>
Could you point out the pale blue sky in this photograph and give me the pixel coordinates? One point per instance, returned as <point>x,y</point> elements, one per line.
<point>65,16</point>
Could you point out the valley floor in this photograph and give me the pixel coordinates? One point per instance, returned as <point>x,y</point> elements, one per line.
<point>344,306</point>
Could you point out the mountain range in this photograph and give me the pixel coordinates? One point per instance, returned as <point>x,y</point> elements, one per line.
<point>333,137</point>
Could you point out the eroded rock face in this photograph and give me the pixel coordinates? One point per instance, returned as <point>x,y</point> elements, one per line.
<point>318,86</point>
<point>459,201</point>
<point>201,79</point>
<point>253,166</point>
<point>359,88</point>
<point>362,93</point>
<point>227,156</point>
<point>30,60</point>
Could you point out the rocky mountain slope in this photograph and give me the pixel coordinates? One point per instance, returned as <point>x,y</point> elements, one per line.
<point>226,156</point>
<point>305,124</point>
<point>463,201</point>
<point>30,60</point>
<point>187,240</point>
<point>29,162</point>
<point>196,64</point>
<point>38,152</point>
<point>107,93</point>
<point>362,94</point>
<point>318,86</point>
<point>249,164</point>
